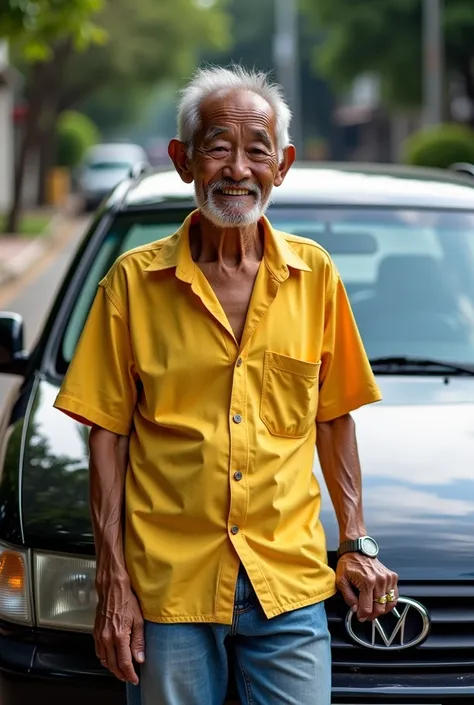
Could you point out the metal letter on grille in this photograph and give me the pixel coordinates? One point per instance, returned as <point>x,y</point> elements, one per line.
<point>399,627</point>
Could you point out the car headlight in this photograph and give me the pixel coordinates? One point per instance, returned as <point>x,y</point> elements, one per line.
<point>65,595</point>
<point>15,586</point>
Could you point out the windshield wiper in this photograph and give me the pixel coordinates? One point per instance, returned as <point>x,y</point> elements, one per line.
<point>399,364</point>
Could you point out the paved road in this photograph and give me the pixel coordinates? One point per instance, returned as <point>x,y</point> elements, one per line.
<point>33,300</point>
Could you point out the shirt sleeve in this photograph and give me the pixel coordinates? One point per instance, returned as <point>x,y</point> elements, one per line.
<point>346,378</point>
<point>100,386</point>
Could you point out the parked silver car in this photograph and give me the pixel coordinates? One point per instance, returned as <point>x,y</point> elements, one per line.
<point>104,166</point>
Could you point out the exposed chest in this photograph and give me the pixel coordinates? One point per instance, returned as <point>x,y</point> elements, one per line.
<point>233,288</point>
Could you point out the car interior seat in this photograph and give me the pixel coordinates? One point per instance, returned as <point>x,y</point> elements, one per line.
<point>412,300</point>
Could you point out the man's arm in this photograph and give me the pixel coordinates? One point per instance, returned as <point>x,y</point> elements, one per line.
<point>118,630</point>
<point>339,458</point>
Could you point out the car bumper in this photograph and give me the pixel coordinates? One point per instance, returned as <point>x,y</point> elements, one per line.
<point>53,667</point>
<point>18,690</point>
<point>60,667</point>
<point>432,689</point>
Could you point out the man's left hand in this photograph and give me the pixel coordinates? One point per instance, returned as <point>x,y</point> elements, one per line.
<point>372,581</point>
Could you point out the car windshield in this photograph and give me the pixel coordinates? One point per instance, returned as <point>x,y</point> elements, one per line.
<point>409,274</point>
<point>108,166</point>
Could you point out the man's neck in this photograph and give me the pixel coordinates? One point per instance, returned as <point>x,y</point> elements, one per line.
<point>230,246</point>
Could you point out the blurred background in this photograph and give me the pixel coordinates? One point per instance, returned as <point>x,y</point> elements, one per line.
<point>385,81</point>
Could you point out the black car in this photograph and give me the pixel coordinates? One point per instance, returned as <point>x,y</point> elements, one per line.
<point>403,241</point>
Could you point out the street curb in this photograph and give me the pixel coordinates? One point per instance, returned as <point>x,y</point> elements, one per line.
<point>21,263</point>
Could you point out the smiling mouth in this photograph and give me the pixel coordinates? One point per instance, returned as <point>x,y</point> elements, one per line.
<point>234,192</point>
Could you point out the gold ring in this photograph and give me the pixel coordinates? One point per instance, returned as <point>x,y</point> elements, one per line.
<point>381,600</point>
<point>391,596</point>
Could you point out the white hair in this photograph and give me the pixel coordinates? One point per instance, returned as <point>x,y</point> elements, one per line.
<point>209,80</point>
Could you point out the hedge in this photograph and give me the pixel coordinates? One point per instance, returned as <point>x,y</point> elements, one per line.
<point>440,146</point>
<point>75,133</point>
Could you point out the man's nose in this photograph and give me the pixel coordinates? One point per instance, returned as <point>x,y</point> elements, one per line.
<point>238,167</point>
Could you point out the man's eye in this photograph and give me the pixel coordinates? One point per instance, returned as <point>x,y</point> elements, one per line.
<point>257,150</point>
<point>218,149</point>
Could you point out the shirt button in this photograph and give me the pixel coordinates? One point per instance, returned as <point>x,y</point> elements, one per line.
<point>237,418</point>
<point>234,530</point>
<point>239,362</point>
<point>238,475</point>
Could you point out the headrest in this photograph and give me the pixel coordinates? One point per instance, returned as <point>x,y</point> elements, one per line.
<point>415,278</point>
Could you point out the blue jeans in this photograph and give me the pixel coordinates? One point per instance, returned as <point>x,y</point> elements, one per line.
<point>285,660</point>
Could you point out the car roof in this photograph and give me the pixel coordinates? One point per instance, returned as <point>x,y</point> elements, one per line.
<point>328,184</point>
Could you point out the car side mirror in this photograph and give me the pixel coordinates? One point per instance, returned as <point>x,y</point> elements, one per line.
<point>463,168</point>
<point>13,356</point>
<point>137,170</point>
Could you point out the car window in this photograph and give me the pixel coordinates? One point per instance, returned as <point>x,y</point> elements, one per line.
<point>358,245</point>
<point>125,234</point>
<point>140,233</point>
<point>106,166</point>
<point>409,274</point>
<point>84,301</point>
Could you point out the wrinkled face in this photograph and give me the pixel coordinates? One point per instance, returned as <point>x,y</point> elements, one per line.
<point>234,163</point>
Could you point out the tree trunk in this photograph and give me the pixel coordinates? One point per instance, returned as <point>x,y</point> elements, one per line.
<point>28,140</point>
<point>47,158</point>
<point>49,118</point>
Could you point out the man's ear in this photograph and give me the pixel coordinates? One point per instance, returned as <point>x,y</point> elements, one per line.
<point>289,156</point>
<point>178,153</point>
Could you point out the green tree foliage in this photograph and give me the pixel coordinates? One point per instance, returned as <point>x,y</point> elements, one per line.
<point>35,24</point>
<point>253,31</point>
<point>110,112</point>
<point>440,146</point>
<point>386,37</point>
<point>76,133</point>
<point>43,31</point>
<point>148,42</point>
<point>252,26</point>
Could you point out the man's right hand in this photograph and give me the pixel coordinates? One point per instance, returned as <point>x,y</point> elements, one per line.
<point>118,632</point>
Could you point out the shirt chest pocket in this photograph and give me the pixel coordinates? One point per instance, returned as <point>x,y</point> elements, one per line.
<point>289,400</point>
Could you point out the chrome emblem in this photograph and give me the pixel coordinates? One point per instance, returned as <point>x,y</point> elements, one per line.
<point>407,625</point>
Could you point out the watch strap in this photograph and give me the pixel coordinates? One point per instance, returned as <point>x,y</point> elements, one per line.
<point>351,546</point>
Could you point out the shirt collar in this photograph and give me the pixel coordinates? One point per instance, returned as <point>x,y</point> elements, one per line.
<point>176,252</point>
<point>279,255</point>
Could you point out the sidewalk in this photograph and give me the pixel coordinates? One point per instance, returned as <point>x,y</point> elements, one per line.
<point>18,254</point>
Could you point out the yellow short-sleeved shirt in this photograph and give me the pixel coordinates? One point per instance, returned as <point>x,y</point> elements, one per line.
<point>222,436</point>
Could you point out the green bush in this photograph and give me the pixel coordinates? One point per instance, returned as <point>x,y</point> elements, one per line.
<point>76,133</point>
<point>440,146</point>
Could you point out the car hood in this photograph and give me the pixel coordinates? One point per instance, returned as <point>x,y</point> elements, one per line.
<point>416,449</point>
<point>417,457</point>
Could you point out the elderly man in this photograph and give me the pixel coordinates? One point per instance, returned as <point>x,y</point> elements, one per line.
<point>222,354</point>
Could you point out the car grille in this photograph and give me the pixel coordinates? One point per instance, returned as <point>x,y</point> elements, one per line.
<point>450,643</point>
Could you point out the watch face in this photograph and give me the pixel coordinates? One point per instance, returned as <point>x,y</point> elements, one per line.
<point>370,547</point>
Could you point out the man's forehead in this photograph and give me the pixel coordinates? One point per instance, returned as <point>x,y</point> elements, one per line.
<point>246,106</point>
<point>256,132</point>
